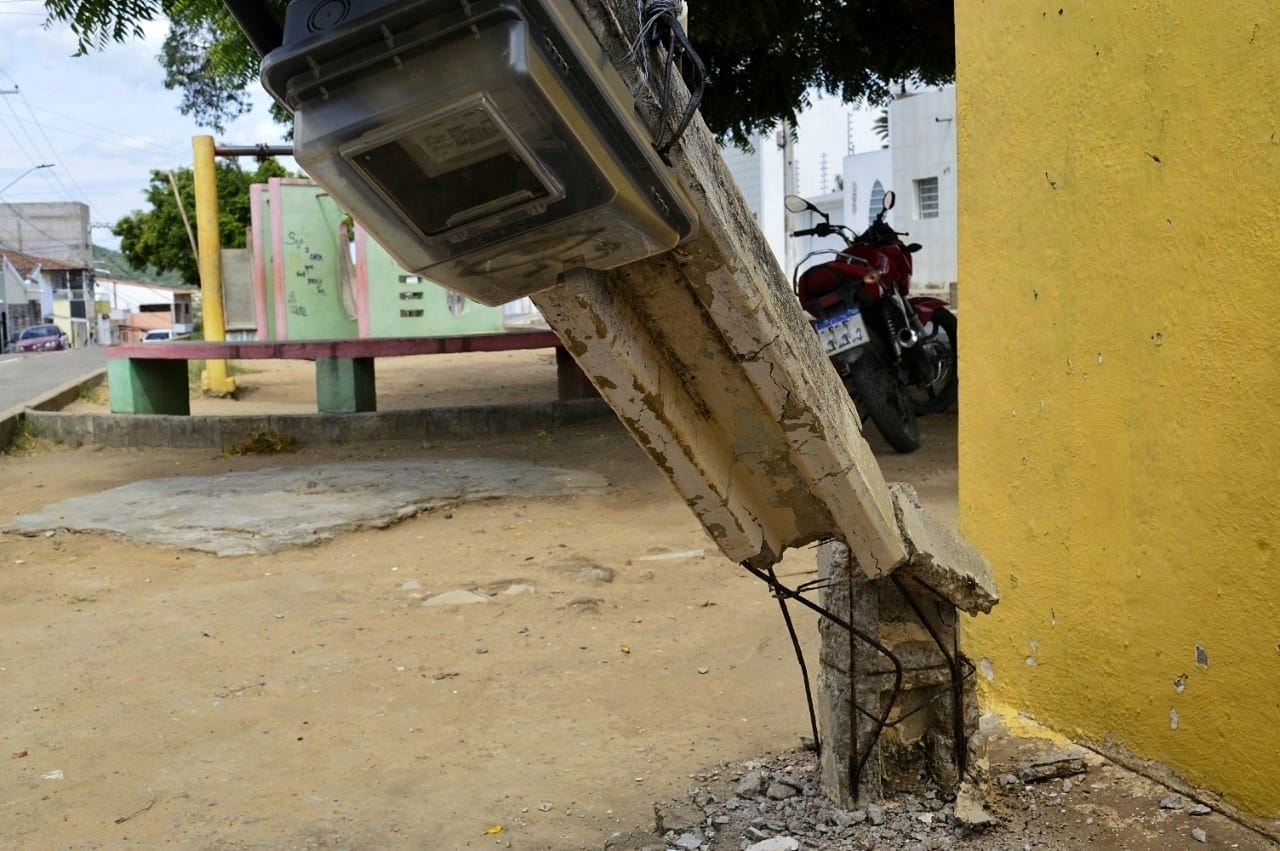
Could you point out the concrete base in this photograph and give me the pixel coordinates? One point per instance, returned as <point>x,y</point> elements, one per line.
<point>345,385</point>
<point>148,386</point>
<point>334,429</point>
<point>929,724</point>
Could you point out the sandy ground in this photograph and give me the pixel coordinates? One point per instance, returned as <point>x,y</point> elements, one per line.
<point>155,697</point>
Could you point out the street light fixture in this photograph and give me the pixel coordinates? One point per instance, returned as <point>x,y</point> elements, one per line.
<point>24,174</point>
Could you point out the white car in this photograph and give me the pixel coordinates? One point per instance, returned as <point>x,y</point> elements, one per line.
<point>160,336</point>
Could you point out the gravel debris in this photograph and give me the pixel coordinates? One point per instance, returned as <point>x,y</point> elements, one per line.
<point>774,803</point>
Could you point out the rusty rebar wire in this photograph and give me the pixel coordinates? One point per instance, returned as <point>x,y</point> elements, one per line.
<point>859,759</point>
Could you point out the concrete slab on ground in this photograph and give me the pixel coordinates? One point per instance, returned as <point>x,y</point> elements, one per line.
<point>264,511</point>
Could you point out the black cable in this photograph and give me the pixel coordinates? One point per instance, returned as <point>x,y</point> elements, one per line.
<point>804,669</point>
<point>695,94</point>
<point>882,720</point>
<point>957,691</point>
<point>662,28</point>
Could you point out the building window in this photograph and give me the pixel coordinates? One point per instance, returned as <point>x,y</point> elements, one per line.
<point>927,198</point>
<point>874,204</point>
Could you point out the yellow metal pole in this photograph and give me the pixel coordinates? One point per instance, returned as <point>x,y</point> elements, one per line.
<point>215,379</point>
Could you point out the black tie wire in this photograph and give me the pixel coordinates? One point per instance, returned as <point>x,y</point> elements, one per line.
<point>660,27</point>
<point>954,663</point>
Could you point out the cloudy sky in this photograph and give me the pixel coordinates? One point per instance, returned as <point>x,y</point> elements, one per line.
<point>106,120</point>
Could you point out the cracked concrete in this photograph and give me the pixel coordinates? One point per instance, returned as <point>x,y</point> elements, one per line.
<point>707,358</point>
<point>940,558</point>
<point>264,511</point>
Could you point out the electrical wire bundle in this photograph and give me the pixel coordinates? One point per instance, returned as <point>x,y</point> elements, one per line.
<point>660,27</point>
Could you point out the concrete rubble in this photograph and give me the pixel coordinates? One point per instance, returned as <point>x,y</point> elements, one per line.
<point>1060,765</point>
<point>729,809</point>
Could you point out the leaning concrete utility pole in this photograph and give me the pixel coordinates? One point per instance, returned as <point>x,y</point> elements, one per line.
<point>636,245</point>
<point>708,360</point>
<point>706,357</point>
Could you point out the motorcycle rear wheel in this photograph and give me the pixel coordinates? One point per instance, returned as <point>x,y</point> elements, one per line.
<point>946,386</point>
<point>884,398</point>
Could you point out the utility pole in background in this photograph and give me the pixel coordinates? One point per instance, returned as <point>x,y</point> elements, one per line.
<point>787,143</point>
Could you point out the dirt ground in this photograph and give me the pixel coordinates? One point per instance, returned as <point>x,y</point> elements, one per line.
<point>157,698</point>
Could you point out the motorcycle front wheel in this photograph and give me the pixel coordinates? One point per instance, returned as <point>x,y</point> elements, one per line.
<point>881,396</point>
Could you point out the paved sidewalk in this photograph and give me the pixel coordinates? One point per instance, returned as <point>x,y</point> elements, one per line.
<point>25,377</point>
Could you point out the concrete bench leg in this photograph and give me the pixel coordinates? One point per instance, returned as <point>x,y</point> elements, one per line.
<point>345,385</point>
<point>148,386</point>
<point>571,382</point>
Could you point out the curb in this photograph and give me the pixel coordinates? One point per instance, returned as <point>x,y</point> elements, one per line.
<point>59,397</point>
<point>154,430</point>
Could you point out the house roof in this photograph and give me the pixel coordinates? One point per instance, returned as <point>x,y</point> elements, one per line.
<point>25,263</point>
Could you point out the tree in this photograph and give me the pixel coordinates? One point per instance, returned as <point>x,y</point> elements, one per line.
<point>881,127</point>
<point>762,57</point>
<point>765,56</point>
<point>157,238</point>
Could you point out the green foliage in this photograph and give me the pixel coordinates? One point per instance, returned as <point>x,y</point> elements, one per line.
<point>881,127</point>
<point>157,238</point>
<point>117,267</point>
<point>763,57</point>
<point>25,438</point>
<point>203,61</point>
<point>269,442</point>
<point>97,23</point>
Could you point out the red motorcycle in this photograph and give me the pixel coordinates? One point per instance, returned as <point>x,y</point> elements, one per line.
<point>895,353</point>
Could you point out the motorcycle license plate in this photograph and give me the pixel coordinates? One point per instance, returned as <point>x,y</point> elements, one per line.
<point>842,332</point>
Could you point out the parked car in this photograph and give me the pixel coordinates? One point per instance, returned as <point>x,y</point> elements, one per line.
<point>41,338</point>
<point>160,335</point>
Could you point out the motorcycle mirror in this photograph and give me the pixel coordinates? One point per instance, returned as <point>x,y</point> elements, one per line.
<point>796,204</point>
<point>889,198</point>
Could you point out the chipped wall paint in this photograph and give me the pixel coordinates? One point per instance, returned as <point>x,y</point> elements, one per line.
<point>1119,445</point>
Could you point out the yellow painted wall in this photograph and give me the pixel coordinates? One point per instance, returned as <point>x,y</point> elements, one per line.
<point>1119,168</point>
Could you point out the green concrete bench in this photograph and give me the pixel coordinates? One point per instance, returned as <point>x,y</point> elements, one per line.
<point>151,378</point>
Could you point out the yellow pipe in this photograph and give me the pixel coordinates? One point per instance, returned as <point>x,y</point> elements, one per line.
<point>215,379</point>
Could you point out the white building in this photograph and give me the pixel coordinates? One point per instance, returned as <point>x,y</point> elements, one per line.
<point>866,178</point>
<point>135,308</point>
<point>918,166</point>
<point>922,141</point>
<point>758,173</point>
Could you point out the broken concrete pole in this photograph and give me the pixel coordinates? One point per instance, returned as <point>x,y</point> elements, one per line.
<point>932,715</point>
<point>707,358</point>
<point>940,559</point>
<point>1052,767</point>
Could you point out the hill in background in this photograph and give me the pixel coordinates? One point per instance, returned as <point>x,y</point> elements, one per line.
<point>114,262</point>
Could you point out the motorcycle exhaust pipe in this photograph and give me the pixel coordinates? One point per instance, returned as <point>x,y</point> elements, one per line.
<point>907,337</point>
